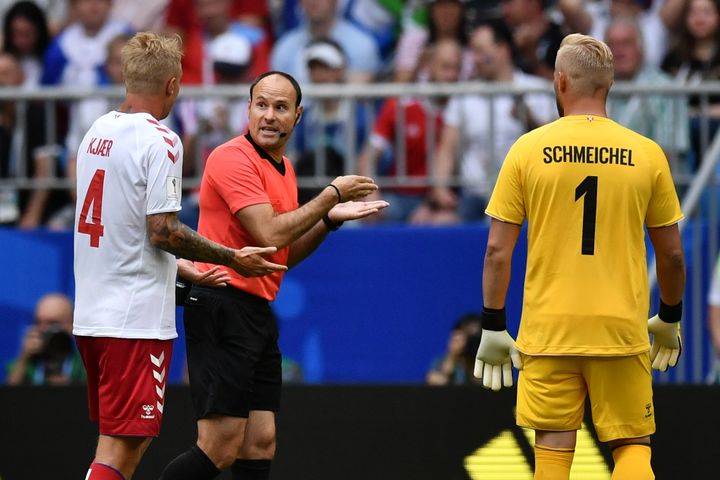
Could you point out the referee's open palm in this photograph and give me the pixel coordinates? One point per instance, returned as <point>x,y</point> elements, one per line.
<point>355,210</point>
<point>249,262</point>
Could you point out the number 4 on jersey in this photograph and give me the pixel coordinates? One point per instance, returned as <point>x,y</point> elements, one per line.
<point>93,197</point>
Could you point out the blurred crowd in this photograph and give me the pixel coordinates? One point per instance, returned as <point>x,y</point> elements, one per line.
<point>77,43</point>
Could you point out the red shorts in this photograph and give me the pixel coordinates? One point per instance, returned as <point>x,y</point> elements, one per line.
<point>126,383</point>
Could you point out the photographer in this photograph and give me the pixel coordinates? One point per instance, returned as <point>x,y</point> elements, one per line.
<point>48,355</point>
<point>455,366</point>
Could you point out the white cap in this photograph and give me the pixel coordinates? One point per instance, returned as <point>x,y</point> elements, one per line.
<point>230,48</point>
<point>325,52</point>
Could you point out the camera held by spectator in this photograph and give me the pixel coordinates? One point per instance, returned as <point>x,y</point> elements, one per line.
<point>48,355</point>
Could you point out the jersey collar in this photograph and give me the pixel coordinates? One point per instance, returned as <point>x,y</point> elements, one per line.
<point>279,166</point>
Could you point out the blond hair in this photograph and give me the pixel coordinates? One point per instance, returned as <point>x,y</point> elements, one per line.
<point>150,60</point>
<point>587,61</point>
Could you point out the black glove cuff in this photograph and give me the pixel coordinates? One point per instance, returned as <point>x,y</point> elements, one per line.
<point>493,319</point>
<point>670,314</point>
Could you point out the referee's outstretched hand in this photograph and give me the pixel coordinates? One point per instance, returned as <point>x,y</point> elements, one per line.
<point>354,187</point>
<point>355,210</point>
<point>250,262</point>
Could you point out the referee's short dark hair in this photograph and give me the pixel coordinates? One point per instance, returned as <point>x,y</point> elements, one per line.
<point>293,82</point>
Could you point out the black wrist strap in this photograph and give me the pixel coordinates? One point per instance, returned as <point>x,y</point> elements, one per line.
<point>670,314</point>
<point>337,190</point>
<point>332,226</point>
<point>493,319</point>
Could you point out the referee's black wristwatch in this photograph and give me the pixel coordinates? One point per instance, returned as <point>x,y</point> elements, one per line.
<point>332,226</point>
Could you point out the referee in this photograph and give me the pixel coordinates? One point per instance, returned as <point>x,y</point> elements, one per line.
<point>248,196</point>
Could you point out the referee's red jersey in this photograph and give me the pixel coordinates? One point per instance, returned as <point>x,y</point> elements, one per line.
<point>239,174</point>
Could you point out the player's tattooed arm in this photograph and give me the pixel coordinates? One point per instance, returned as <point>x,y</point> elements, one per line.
<point>173,236</point>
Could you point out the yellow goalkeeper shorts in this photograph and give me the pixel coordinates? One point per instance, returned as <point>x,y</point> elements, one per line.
<point>552,391</point>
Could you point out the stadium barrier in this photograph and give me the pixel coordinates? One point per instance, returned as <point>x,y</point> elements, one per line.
<point>361,433</point>
<point>57,99</point>
<point>372,305</point>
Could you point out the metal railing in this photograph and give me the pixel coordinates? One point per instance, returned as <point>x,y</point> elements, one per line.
<point>368,95</point>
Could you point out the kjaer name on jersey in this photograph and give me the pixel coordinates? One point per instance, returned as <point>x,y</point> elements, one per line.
<point>101,148</point>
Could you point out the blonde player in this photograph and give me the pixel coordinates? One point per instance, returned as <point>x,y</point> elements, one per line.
<point>129,170</point>
<point>587,187</point>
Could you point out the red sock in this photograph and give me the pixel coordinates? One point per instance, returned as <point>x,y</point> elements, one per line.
<point>99,471</point>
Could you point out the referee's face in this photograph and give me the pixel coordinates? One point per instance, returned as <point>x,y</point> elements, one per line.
<point>272,113</point>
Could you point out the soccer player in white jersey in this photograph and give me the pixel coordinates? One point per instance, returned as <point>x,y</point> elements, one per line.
<point>127,235</point>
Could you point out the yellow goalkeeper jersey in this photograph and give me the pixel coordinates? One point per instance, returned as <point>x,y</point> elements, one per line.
<point>587,187</point>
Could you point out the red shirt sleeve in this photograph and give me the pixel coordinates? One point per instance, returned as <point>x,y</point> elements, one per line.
<point>385,123</point>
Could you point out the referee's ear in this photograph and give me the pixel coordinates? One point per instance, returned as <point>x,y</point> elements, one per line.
<point>298,114</point>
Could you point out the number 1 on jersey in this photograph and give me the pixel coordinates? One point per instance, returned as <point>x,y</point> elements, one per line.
<point>94,197</point>
<point>588,188</point>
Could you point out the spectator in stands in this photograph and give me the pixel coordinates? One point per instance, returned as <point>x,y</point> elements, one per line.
<point>332,129</point>
<point>439,20</point>
<point>714,322</point>
<point>468,129</point>
<point>593,17</point>
<point>77,55</point>
<point>421,125</point>
<point>381,19</point>
<point>181,16</point>
<point>214,18</point>
<point>48,355</point>
<point>26,36</point>
<point>217,119</point>
<point>24,154</point>
<point>661,118</point>
<point>455,366</point>
<point>695,57</point>
<point>536,36</point>
<point>142,15</point>
<point>322,21</point>
<point>213,121</point>
<point>57,12</point>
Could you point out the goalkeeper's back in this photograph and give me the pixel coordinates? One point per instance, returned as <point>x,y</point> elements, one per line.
<point>587,186</point>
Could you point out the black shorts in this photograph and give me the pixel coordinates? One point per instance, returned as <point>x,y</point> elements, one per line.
<point>234,361</point>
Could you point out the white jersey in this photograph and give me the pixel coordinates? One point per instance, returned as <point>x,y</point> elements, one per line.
<point>129,166</point>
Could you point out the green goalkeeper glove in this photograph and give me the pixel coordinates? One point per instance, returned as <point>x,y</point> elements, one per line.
<point>666,344</point>
<point>493,360</point>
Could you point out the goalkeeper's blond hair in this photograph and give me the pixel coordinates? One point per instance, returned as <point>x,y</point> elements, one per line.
<point>150,60</point>
<point>588,63</point>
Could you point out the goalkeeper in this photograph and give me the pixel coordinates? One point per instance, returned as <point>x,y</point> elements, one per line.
<point>587,187</point>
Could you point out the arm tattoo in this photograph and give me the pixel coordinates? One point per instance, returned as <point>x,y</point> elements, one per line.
<point>173,236</point>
